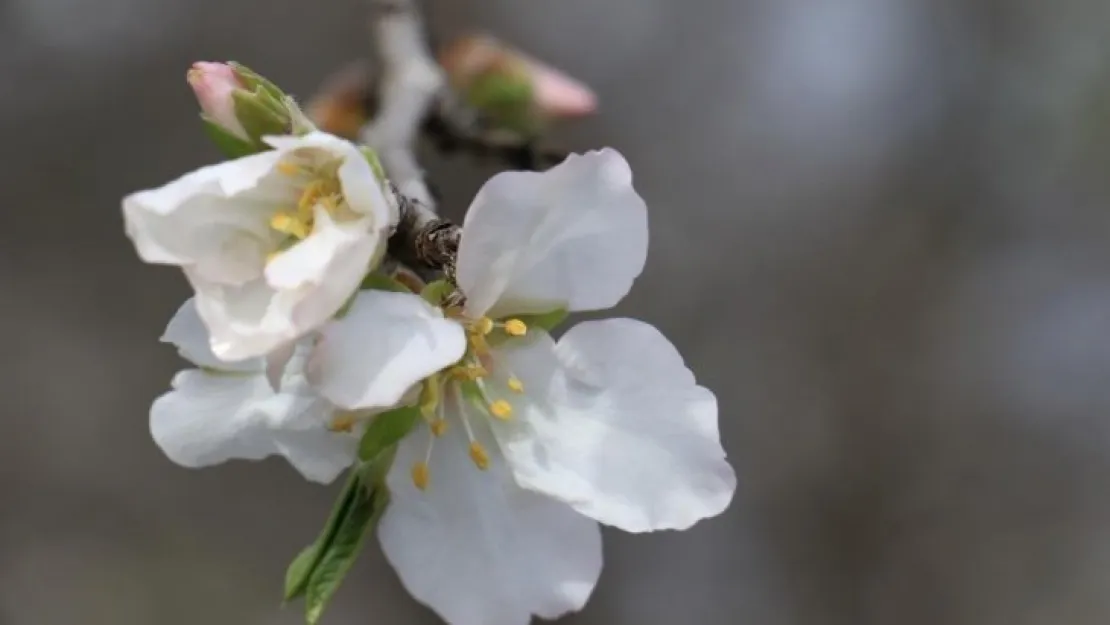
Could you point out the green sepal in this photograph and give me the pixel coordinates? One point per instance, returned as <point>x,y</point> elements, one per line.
<point>435,292</point>
<point>547,321</point>
<point>230,145</point>
<point>375,164</point>
<point>254,81</point>
<point>385,430</point>
<point>258,118</point>
<point>377,281</point>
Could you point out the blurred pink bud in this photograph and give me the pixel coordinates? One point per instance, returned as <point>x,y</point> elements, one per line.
<point>559,95</point>
<point>214,85</point>
<point>554,93</point>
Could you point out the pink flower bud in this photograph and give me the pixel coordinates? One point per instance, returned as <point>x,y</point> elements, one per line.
<point>214,84</point>
<point>554,93</point>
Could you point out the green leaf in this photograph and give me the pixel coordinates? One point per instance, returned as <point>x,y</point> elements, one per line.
<point>378,281</point>
<point>436,291</point>
<point>230,145</point>
<point>258,119</point>
<point>547,321</point>
<point>385,430</point>
<point>335,561</point>
<point>302,567</point>
<point>296,576</point>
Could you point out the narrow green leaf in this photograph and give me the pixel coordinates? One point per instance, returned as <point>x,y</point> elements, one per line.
<point>385,430</point>
<point>378,281</point>
<point>335,561</point>
<point>296,576</point>
<point>436,291</point>
<point>230,145</point>
<point>300,570</point>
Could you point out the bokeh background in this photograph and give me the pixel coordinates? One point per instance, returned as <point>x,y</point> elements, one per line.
<point>879,233</point>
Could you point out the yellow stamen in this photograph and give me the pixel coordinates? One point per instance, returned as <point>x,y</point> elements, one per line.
<point>420,475</point>
<point>290,224</point>
<point>478,345</point>
<point>272,255</point>
<point>469,371</point>
<point>483,326</point>
<point>501,409</point>
<point>516,327</point>
<point>479,456</point>
<point>515,385</point>
<point>439,427</point>
<point>342,422</point>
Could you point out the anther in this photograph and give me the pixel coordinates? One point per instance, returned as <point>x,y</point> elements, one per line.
<point>287,168</point>
<point>479,456</point>
<point>288,224</point>
<point>420,475</point>
<point>515,385</point>
<point>483,326</point>
<point>342,423</point>
<point>439,427</point>
<point>516,327</point>
<point>501,409</point>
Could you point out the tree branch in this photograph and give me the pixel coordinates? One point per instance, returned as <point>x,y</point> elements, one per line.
<point>412,97</point>
<point>410,79</point>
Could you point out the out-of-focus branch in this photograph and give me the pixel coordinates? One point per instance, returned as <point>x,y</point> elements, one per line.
<point>411,97</point>
<point>410,79</point>
<point>455,127</point>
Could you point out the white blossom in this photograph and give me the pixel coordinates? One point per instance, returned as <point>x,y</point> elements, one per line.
<point>272,243</point>
<point>495,501</point>
<point>226,410</point>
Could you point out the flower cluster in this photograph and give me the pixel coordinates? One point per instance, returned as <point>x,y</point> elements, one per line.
<point>521,443</point>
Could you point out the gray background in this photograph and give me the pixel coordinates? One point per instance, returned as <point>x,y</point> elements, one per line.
<point>879,233</point>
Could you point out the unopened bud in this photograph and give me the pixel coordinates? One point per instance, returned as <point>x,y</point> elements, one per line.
<point>241,107</point>
<point>517,91</point>
<point>214,85</point>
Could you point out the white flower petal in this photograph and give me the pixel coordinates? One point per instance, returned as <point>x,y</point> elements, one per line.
<point>324,269</point>
<point>213,219</point>
<point>383,345</point>
<point>208,419</point>
<point>247,320</point>
<point>479,550</point>
<point>319,455</point>
<point>187,332</point>
<point>574,236</point>
<point>613,423</point>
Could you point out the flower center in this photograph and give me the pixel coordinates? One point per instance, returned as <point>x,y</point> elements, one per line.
<point>319,189</point>
<point>474,388</point>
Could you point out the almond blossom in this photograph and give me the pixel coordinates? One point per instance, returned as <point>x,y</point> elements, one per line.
<point>529,442</point>
<point>273,244</point>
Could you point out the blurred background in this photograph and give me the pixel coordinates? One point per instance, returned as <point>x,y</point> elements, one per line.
<point>879,234</point>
